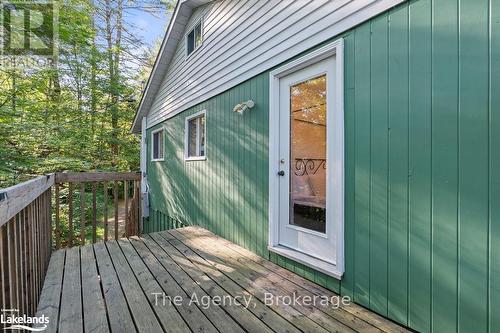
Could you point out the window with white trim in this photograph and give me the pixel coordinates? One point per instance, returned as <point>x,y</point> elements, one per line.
<point>195,136</point>
<point>157,145</point>
<point>194,38</point>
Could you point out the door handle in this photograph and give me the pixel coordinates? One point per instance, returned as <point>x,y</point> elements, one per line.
<point>281,173</point>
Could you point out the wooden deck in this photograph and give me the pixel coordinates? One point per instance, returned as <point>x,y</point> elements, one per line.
<point>111,287</point>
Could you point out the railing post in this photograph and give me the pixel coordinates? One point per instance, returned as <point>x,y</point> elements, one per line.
<point>125,195</point>
<point>20,259</point>
<point>25,257</point>
<point>37,248</point>
<point>94,212</point>
<point>137,207</point>
<point>116,208</point>
<point>105,184</point>
<point>25,243</point>
<point>82,213</point>
<point>30,274</point>
<point>4,265</point>
<point>48,227</point>
<point>70,214</point>
<point>58,225</point>
<point>12,262</point>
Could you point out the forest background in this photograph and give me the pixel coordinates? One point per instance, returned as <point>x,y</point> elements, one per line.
<point>75,115</point>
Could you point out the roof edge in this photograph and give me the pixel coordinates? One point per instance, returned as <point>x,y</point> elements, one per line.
<point>141,112</point>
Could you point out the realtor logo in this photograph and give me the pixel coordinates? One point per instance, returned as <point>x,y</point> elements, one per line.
<point>12,320</point>
<point>28,28</point>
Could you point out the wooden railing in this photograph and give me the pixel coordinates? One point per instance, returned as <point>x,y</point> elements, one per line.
<point>54,211</point>
<point>106,217</point>
<point>25,242</point>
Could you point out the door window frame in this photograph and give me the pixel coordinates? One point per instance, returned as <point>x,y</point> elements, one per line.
<point>334,49</point>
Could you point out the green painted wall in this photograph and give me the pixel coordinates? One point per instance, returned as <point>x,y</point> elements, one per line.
<point>227,193</point>
<point>422,107</point>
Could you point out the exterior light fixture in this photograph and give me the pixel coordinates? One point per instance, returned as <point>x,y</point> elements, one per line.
<point>242,107</point>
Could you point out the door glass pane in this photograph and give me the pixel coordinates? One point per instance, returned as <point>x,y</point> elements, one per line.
<point>197,35</point>
<point>155,145</point>
<point>202,136</point>
<point>192,127</point>
<point>160,144</point>
<point>308,154</point>
<point>190,42</point>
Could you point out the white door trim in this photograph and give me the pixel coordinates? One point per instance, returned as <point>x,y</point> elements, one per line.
<point>336,49</point>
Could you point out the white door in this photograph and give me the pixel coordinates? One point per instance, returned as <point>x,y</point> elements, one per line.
<point>311,162</point>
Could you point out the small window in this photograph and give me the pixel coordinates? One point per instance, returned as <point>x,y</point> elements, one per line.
<point>195,136</point>
<point>157,145</point>
<point>194,38</point>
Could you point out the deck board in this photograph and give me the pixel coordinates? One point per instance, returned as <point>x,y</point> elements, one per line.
<point>306,318</point>
<point>94,310</point>
<point>269,278</point>
<point>111,287</point>
<point>289,313</point>
<point>139,305</point>
<point>71,317</point>
<point>244,318</point>
<point>49,304</point>
<point>358,311</point>
<point>120,319</point>
<point>166,314</point>
<point>218,318</point>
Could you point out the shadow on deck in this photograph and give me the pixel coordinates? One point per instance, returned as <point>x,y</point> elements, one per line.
<point>187,280</point>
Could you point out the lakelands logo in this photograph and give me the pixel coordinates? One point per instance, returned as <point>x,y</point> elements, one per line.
<point>28,33</point>
<point>11,319</point>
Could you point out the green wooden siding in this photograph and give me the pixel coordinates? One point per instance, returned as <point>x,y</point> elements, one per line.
<point>494,174</point>
<point>422,120</point>
<point>227,193</point>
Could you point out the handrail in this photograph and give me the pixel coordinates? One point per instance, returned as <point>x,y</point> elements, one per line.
<point>29,233</point>
<point>88,192</point>
<point>15,198</point>
<point>25,244</point>
<point>77,177</point>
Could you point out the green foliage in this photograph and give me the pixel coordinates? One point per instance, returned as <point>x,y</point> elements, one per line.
<point>76,200</point>
<point>76,114</point>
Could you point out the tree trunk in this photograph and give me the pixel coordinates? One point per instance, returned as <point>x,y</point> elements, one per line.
<point>113,67</point>
<point>14,95</point>
<point>93,75</point>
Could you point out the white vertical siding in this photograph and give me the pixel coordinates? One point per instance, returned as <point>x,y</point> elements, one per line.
<point>243,38</point>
